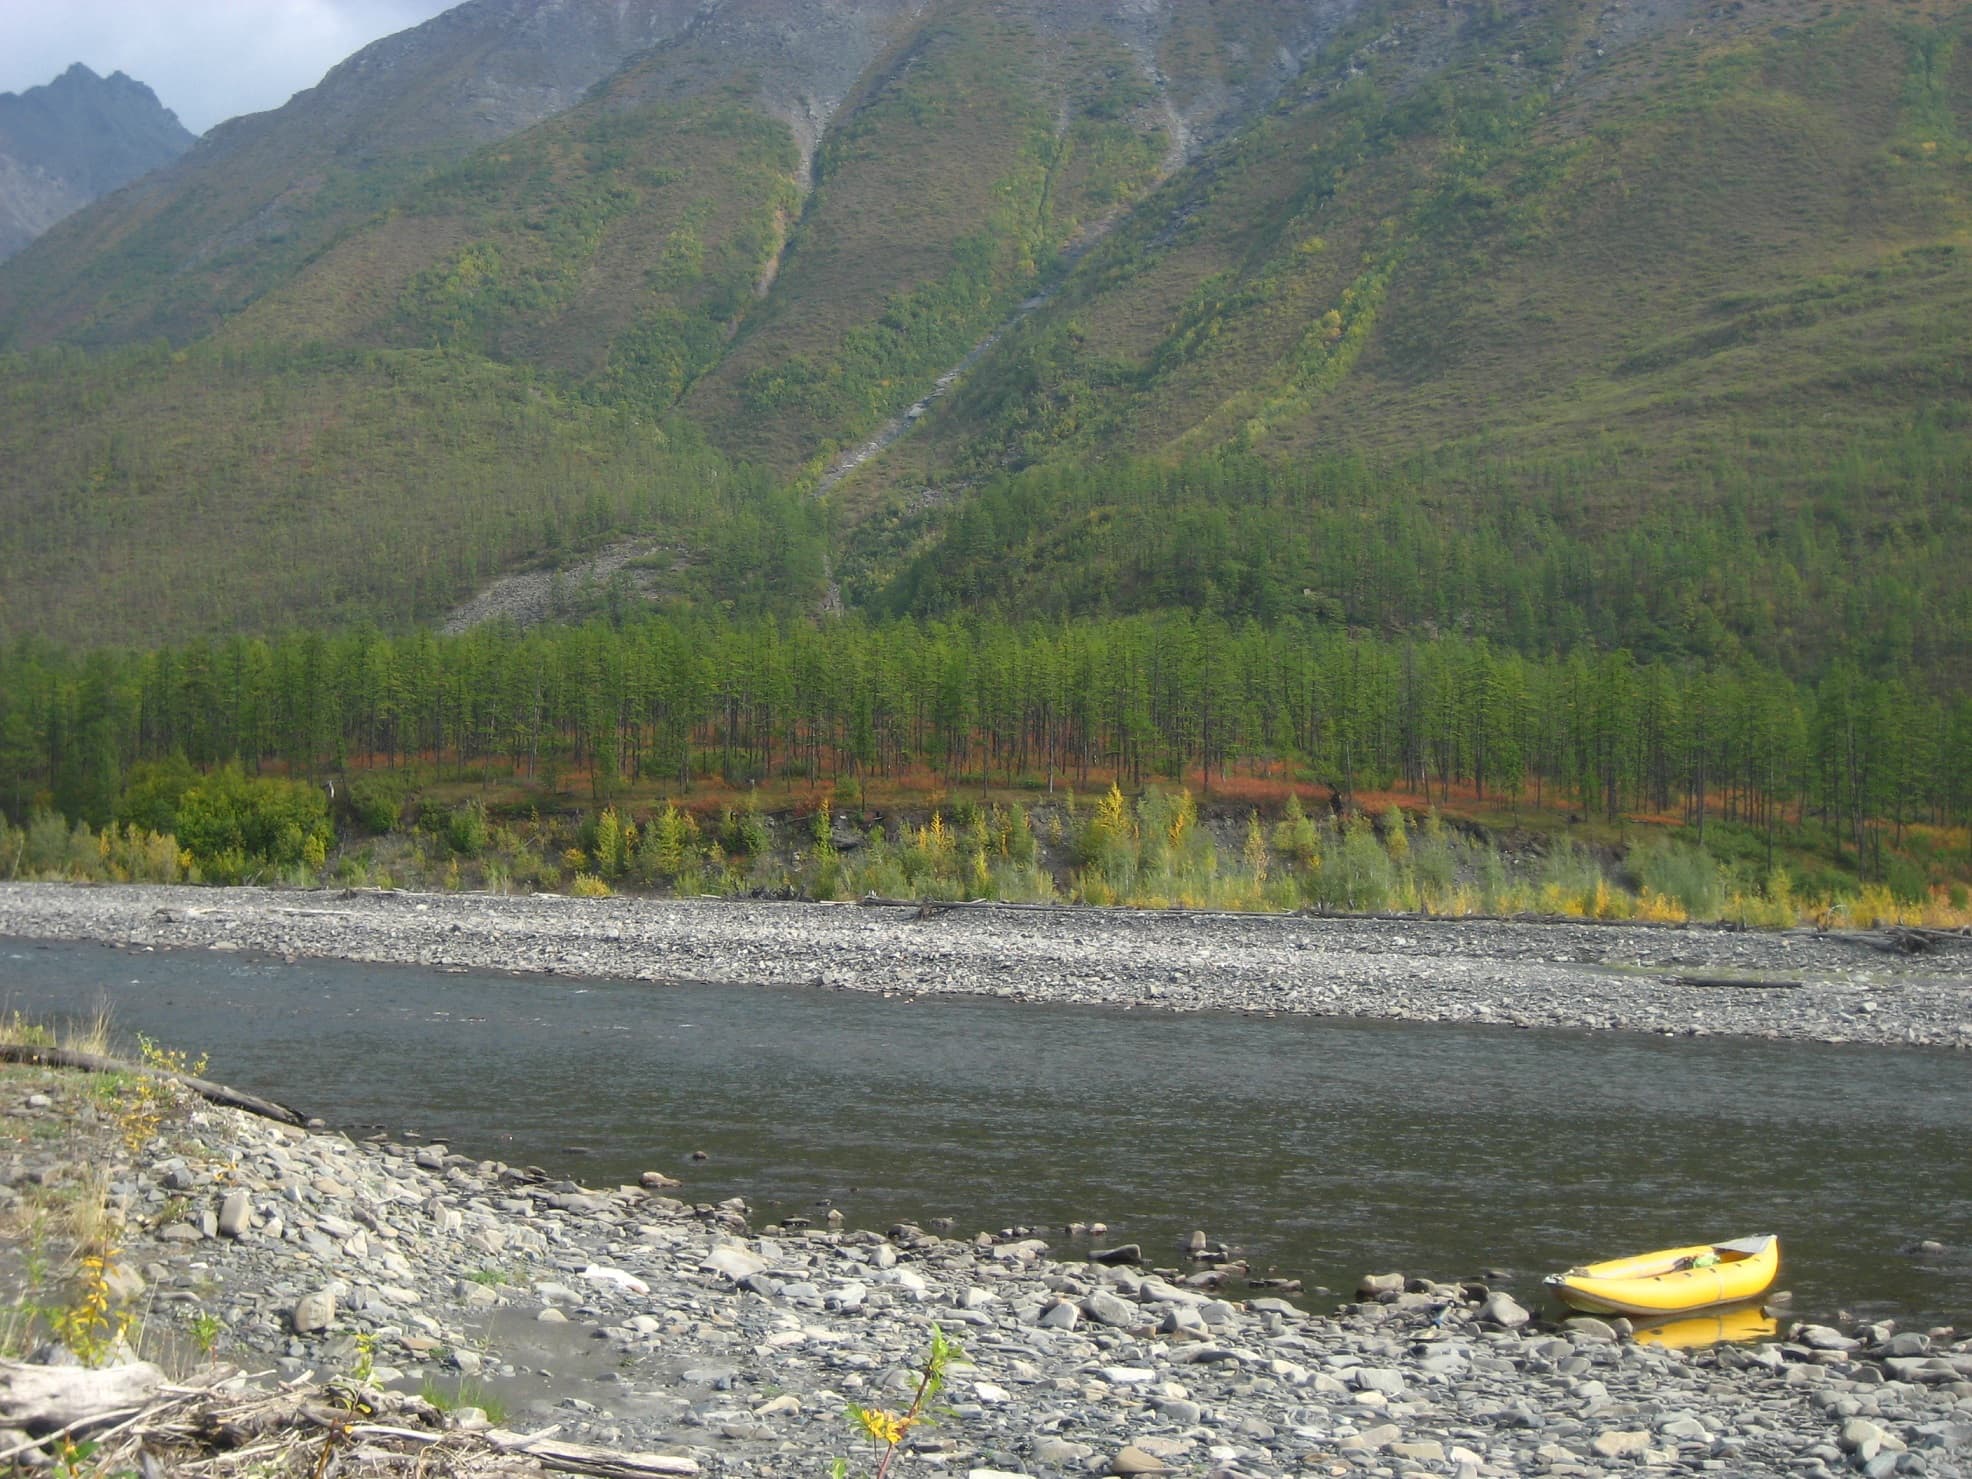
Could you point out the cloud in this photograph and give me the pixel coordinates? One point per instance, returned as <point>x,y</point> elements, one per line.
<point>207,60</point>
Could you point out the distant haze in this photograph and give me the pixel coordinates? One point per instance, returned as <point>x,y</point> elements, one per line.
<point>207,60</point>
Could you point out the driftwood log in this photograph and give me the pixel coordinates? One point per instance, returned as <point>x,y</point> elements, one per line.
<point>1904,939</point>
<point>585,1458</point>
<point>146,1426</point>
<point>54,1399</point>
<point>1742,983</point>
<point>52,1057</point>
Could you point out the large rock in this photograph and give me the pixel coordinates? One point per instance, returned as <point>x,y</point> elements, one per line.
<point>1063,1316</point>
<point>734,1262</point>
<point>1619,1444</point>
<point>1419,1450</point>
<point>615,1278</point>
<point>1503,1310</point>
<point>235,1215</point>
<point>1053,1449</point>
<point>314,1311</point>
<point>1106,1309</point>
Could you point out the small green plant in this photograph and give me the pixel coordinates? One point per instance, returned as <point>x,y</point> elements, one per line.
<point>463,1393</point>
<point>885,1429</point>
<point>86,1325</point>
<point>205,1332</point>
<point>72,1459</point>
<point>137,1103</point>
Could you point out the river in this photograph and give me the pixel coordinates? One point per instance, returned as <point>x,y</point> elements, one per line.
<point>1320,1148</point>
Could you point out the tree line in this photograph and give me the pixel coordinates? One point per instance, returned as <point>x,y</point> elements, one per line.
<point>666,701</point>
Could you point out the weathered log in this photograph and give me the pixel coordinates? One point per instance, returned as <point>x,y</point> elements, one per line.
<point>49,1399</point>
<point>52,1057</point>
<point>1907,939</point>
<point>1742,983</point>
<point>585,1458</point>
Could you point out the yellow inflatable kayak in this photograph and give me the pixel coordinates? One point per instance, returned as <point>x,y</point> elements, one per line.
<point>1672,1280</point>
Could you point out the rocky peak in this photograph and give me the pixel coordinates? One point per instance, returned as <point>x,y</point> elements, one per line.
<point>67,142</point>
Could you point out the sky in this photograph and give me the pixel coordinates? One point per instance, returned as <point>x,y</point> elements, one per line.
<point>207,60</point>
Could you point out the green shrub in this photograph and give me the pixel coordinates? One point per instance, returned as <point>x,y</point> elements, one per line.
<point>1495,884</point>
<point>1358,874</point>
<point>1570,879</point>
<point>1687,874</point>
<point>466,830</point>
<point>742,831</point>
<point>1435,867</point>
<point>667,847</point>
<point>152,793</point>
<point>378,799</point>
<point>1296,837</point>
<point>1907,881</point>
<point>231,823</point>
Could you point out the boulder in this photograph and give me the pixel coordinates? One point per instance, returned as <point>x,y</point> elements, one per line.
<point>313,1312</point>
<point>1503,1310</point>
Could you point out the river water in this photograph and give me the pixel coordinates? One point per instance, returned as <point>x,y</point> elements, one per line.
<point>1321,1149</point>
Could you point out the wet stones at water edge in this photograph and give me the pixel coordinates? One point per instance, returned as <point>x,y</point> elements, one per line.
<point>636,1320</point>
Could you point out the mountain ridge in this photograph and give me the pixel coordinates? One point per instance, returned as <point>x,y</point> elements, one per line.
<point>68,142</point>
<point>1538,269</point>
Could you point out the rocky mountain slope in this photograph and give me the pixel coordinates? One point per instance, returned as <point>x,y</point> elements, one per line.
<point>1576,265</point>
<point>72,140</point>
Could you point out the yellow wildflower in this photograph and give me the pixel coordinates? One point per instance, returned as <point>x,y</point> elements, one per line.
<point>885,1427</point>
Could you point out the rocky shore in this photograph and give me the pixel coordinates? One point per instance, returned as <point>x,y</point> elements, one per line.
<point>630,1319</point>
<point>1683,980</point>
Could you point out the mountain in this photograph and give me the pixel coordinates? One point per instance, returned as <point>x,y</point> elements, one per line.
<point>1640,323</point>
<point>69,141</point>
<point>263,192</point>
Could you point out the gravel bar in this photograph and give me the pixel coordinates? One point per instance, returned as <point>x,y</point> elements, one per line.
<point>1673,980</point>
<point>634,1320</point>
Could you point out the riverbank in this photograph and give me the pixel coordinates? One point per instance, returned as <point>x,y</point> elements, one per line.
<point>1674,980</point>
<point>631,1318</point>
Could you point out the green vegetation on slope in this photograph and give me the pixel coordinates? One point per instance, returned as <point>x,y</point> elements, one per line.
<point>942,197</point>
<point>1775,555</point>
<point>615,247</point>
<point>1759,231</point>
<point>213,489</point>
<point>1505,322</point>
